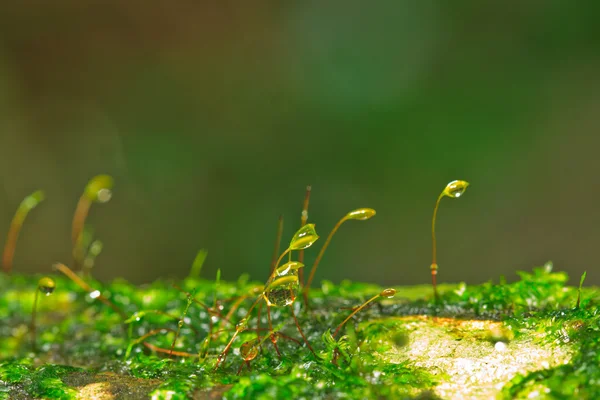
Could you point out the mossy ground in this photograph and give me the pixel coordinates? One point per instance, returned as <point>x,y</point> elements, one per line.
<point>505,340</point>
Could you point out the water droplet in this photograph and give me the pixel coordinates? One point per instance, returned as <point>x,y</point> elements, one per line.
<point>283,289</point>
<point>46,285</point>
<point>242,325</point>
<point>274,337</point>
<point>304,237</point>
<point>180,323</point>
<point>104,195</point>
<point>95,294</point>
<point>361,214</point>
<point>99,188</point>
<point>249,350</point>
<point>388,293</point>
<point>456,189</point>
<point>221,357</point>
<point>287,267</point>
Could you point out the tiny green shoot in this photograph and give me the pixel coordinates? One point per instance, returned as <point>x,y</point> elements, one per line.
<point>579,289</point>
<point>190,300</point>
<point>360,214</point>
<point>303,221</point>
<point>198,263</point>
<point>90,258</point>
<point>277,243</point>
<point>28,204</point>
<point>46,286</point>
<point>454,190</point>
<point>98,190</point>
<point>387,293</point>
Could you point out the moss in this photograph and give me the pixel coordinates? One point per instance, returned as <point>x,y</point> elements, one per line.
<point>406,347</point>
<point>23,381</point>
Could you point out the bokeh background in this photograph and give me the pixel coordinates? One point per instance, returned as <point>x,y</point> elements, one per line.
<point>214,117</point>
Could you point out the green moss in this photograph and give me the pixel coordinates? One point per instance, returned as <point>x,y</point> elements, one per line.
<point>395,348</point>
<point>21,380</point>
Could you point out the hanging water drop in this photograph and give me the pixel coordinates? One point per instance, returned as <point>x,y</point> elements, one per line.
<point>456,189</point>
<point>282,290</point>
<point>304,237</point>
<point>361,214</point>
<point>99,188</point>
<point>249,350</point>
<point>46,285</point>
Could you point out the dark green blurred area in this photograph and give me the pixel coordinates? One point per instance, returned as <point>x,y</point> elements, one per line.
<point>214,118</point>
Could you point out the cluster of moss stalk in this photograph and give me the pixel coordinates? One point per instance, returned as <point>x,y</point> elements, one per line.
<point>255,315</point>
<point>280,290</point>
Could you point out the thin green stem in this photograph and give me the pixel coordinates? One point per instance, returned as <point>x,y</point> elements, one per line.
<point>288,250</point>
<point>300,329</point>
<point>320,255</point>
<point>354,313</point>
<point>303,221</point>
<point>223,354</point>
<point>277,243</point>
<point>434,253</point>
<point>33,315</point>
<point>434,266</point>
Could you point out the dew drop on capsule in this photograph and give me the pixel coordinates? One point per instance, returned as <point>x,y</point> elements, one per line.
<point>456,189</point>
<point>304,237</point>
<point>388,293</point>
<point>249,350</point>
<point>361,214</point>
<point>46,285</point>
<point>283,290</point>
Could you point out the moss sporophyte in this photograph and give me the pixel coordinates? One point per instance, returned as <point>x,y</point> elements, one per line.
<point>170,340</point>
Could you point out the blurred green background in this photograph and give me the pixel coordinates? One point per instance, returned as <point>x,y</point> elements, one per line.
<point>214,117</point>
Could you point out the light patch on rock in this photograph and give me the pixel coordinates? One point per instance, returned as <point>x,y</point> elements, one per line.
<point>468,363</point>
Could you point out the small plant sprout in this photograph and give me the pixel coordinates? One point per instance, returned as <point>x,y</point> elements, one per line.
<point>198,264</point>
<point>454,190</point>
<point>28,204</point>
<point>277,243</point>
<point>303,221</point>
<point>190,300</point>
<point>360,214</point>
<point>280,290</point>
<point>90,259</point>
<point>579,290</point>
<point>46,286</point>
<point>204,346</point>
<point>387,293</point>
<point>98,190</point>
